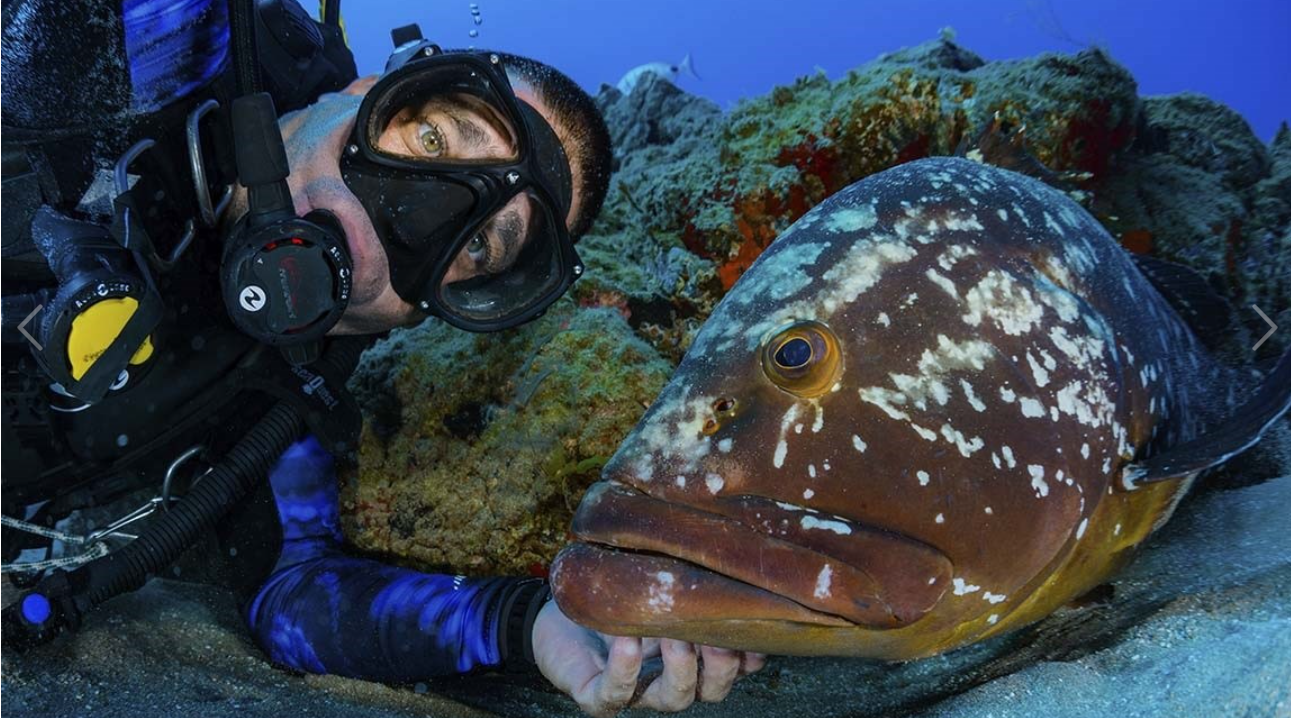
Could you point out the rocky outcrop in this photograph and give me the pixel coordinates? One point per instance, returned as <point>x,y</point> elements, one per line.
<point>476,448</point>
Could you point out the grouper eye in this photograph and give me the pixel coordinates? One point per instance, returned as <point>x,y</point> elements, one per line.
<point>793,353</point>
<point>803,358</point>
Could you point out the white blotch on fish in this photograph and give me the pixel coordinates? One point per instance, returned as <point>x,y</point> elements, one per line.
<point>660,597</point>
<point>822,582</point>
<point>1037,480</point>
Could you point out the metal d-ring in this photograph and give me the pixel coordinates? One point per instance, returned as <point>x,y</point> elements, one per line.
<point>121,173</point>
<point>179,461</point>
<point>190,231</point>
<point>210,212</point>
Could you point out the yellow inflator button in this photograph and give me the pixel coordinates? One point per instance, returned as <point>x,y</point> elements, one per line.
<point>94,330</point>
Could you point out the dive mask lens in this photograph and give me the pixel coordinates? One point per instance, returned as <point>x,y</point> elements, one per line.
<point>514,265</point>
<point>443,114</point>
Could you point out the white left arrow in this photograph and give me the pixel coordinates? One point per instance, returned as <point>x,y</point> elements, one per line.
<point>22,328</point>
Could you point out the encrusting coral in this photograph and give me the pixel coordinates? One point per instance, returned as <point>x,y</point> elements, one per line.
<point>476,448</point>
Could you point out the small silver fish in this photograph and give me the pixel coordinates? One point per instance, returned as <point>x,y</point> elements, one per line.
<point>665,70</point>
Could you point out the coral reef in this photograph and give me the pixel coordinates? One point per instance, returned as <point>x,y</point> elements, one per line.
<point>475,447</point>
<point>735,183</point>
<point>1200,189</point>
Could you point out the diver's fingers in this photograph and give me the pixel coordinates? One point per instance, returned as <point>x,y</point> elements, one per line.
<point>674,690</point>
<point>649,647</point>
<point>752,663</point>
<point>608,693</point>
<point>720,669</point>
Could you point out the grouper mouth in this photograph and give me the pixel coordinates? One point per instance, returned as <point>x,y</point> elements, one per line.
<point>643,562</point>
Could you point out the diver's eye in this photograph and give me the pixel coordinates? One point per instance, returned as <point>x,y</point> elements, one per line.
<point>478,247</point>
<point>804,358</point>
<point>431,139</point>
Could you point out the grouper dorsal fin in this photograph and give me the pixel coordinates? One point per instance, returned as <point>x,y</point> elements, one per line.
<point>1190,295</point>
<point>1240,432</point>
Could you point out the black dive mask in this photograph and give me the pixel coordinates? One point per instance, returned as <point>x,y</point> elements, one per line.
<point>467,186</point>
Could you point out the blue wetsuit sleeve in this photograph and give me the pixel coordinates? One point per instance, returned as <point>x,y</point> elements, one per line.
<point>322,611</point>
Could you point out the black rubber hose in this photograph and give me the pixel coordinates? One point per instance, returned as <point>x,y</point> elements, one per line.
<point>129,567</point>
<point>231,481</point>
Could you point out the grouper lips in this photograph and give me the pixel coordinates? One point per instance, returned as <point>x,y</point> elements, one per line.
<point>742,558</point>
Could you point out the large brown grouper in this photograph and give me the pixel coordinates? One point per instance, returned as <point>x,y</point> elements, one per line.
<point>942,404</point>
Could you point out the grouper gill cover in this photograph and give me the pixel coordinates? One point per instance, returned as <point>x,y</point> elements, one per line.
<point>903,430</point>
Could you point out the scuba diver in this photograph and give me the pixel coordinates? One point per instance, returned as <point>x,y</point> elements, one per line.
<point>189,280</point>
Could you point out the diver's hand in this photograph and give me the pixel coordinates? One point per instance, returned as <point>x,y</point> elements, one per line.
<point>601,672</point>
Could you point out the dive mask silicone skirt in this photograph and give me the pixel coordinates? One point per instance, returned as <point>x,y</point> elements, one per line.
<point>468,188</point>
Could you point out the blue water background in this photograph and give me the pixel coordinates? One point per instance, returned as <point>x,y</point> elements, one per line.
<point>1235,51</point>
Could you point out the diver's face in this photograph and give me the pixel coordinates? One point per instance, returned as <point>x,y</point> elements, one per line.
<point>452,127</point>
<point>461,128</point>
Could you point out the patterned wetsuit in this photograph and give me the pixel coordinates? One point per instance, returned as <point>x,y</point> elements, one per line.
<point>325,612</point>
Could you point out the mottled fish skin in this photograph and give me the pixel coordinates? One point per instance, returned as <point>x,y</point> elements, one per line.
<point>1003,361</point>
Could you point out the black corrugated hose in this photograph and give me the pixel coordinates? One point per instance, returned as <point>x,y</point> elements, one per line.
<point>229,482</point>
<point>248,462</point>
<point>232,480</point>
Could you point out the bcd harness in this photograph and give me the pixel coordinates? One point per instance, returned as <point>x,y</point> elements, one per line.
<point>118,307</point>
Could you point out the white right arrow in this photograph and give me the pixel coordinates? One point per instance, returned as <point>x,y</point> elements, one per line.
<point>1265,317</point>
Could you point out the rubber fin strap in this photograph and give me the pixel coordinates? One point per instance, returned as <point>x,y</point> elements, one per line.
<point>1248,423</point>
<point>1187,291</point>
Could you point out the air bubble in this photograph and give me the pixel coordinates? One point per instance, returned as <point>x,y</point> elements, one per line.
<point>479,20</point>
<point>474,33</point>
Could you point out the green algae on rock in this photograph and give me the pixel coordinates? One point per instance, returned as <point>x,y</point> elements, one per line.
<point>733,184</point>
<point>477,448</point>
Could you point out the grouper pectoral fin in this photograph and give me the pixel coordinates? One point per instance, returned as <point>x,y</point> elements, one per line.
<point>1240,432</point>
<point>1190,294</point>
